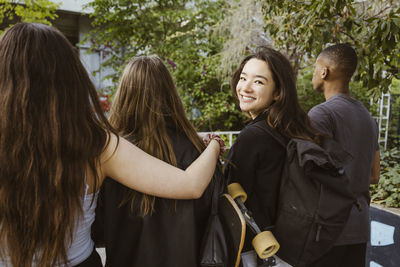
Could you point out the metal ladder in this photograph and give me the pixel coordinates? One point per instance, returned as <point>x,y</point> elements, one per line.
<point>383,110</point>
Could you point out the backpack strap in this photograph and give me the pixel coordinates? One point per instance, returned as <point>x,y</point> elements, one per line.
<point>274,133</point>
<point>219,187</point>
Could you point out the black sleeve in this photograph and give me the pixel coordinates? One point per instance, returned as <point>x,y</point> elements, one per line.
<point>240,165</point>
<point>255,161</point>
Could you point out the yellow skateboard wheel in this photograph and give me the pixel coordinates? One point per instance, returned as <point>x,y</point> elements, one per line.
<point>235,190</point>
<point>265,244</point>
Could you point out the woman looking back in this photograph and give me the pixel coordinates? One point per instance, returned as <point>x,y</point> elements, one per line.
<point>56,148</point>
<point>265,87</point>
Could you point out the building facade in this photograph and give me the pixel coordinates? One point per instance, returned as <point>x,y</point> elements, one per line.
<point>74,21</point>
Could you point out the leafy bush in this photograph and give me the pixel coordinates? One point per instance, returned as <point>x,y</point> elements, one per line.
<point>387,191</point>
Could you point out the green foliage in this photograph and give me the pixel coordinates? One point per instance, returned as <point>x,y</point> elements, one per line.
<point>395,87</point>
<point>41,11</point>
<point>183,33</point>
<point>180,33</point>
<point>303,28</point>
<point>394,123</point>
<point>387,191</point>
<point>308,97</point>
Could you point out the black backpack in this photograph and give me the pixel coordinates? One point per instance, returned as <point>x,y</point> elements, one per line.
<point>315,198</point>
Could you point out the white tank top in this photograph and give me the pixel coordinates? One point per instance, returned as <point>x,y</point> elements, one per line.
<point>82,244</point>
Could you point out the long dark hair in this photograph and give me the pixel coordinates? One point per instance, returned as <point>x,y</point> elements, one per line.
<point>146,101</point>
<point>52,132</point>
<point>285,113</point>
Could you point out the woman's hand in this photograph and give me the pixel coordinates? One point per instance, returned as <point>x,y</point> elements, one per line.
<point>208,137</point>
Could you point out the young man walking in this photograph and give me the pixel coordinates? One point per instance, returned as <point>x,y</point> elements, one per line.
<point>348,122</point>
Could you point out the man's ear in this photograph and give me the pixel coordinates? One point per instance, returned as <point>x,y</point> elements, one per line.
<point>324,73</point>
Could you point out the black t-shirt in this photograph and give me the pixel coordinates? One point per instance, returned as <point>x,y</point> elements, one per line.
<point>256,161</point>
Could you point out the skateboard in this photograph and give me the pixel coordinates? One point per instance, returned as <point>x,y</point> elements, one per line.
<point>264,242</point>
<point>234,226</point>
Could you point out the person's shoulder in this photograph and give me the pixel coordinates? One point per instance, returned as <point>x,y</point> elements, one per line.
<point>320,109</point>
<point>349,104</point>
<point>185,151</point>
<point>252,130</point>
<point>256,134</point>
<point>342,101</point>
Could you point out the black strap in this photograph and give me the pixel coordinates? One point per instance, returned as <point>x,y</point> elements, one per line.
<point>274,133</point>
<point>219,186</point>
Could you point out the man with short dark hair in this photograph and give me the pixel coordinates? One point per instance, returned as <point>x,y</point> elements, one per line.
<point>347,121</point>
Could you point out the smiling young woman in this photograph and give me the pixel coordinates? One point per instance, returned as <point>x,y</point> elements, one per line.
<point>265,86</point>
<point>256,87</point>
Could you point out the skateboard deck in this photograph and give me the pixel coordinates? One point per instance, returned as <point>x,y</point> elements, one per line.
<point>234,226</point>
<point>264,242</point>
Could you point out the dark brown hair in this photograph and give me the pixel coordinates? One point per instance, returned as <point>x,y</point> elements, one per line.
<point>52,131</point>
<point>146,101</point>
<point>285,113</point>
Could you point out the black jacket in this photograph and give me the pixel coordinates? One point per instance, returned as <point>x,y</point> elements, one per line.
<point>256,161</point>
<point>168,237</point>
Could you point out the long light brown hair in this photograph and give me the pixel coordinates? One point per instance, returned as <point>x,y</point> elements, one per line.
<point>51,130</point>
<point>145,101</point>
<point>284,114</point>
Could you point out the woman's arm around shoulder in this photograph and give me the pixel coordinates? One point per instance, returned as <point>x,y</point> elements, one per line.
<point>134,168</point>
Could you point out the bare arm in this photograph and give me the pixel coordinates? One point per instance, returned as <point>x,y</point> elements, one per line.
<point>375,168</point>
<point>138,170</point>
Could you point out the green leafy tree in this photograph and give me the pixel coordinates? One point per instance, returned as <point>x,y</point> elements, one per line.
<point>12,11</point>
<point>387,191</point>
<point>243,26</point>
<point>303,28</point>
<point>180,32</point>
